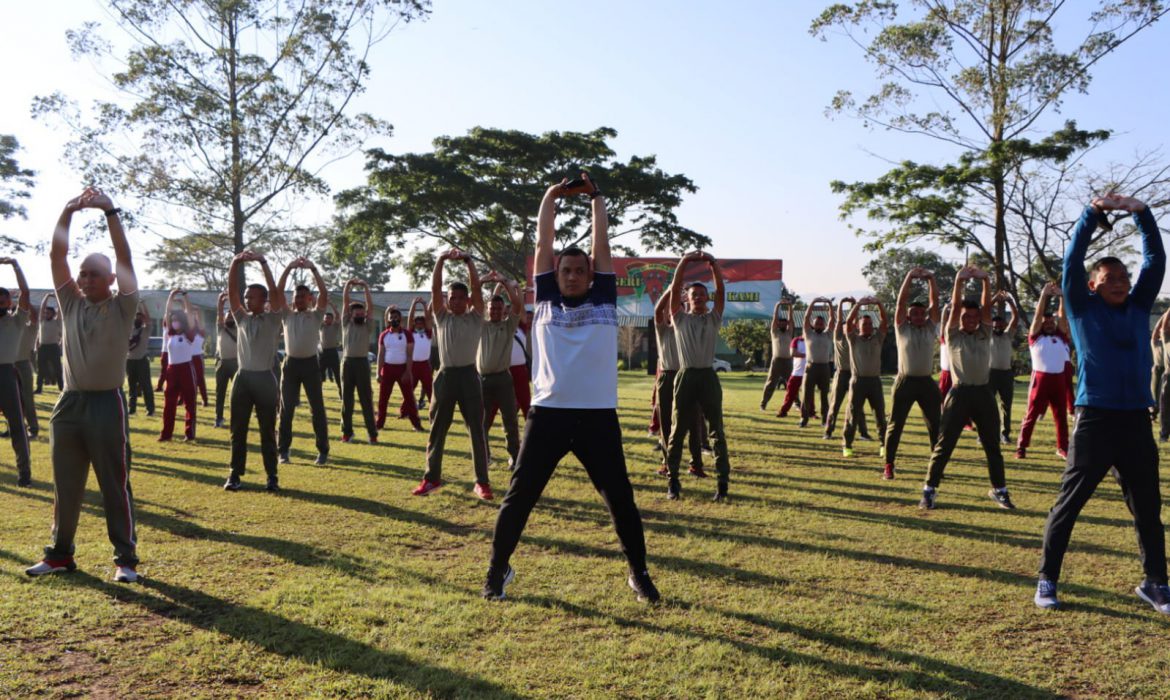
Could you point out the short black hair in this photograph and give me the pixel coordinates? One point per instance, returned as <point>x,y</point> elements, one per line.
<point>302,288</point>
<point>1107,261</point>
<point>355,305</point>
<point>573,251</point>
<point>997,317</point>
<point>700,285</point>
<point>497,297</point>
<point>1049,314</point>
<point>458,287</point>
<point>262,288</point>
<point>918,304</point>
<point>971,303</point>
<point>4,292</point>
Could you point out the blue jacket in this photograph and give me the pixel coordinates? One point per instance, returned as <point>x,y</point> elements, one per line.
<point>1113,342</point>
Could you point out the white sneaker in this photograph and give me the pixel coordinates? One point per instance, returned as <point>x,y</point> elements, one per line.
<point>125,574</point>
<point>47,566</point>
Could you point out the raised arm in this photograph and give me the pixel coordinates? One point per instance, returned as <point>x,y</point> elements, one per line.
<point>219,309</point>
<point>282,283</point>
<point>146,310</point>
<point>934,310</point>
<point>546,232</point>
<point>717,274</point>
<point>235,295</point>
<point>123,264</point>
<point>602,258</point>
<point>902,305</point>
<point>883,320</point>
<point>1149,281</point>
<point>369,296</point>
<point>676,284</point>
<point>851,320</point>
<point>840,316</point>
<point>957,297</point>
<point>45,302</point>
<point>168,307</point>
<point>473,284</point>
<point>59,248</point>
<point>1015,322</point>
<point>1041,307</point>
<point>276,300</point>
<point>662,309</point>
<point>985,296</point>
<point>1061,318</point>
<point>438,303</point>
<point>21,283</point>
<point>775,313</point>
<point>418,301</point>
<point>345,300</point>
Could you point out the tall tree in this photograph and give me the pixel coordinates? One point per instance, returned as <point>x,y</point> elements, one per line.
<point>15,183</point>
<point>480,193</point>
<point>886,272</point>
<point>228,109</point>
<point>978,75</point>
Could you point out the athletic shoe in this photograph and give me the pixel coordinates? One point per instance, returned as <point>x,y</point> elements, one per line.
<point>282,458</point>
<point>163,438</point>
<point>697,471</point>
<point>1021,453</point>
<point>708,450</point>
<point>322,458</point>
<point>188,438</point>
<point>720,492</point>
<point>643,587</point>
<point>425,487</point>
<point>803,422</point>
<point>497,581</point>
<point>888,472</point>
<point>865,436</point>
<point>484,491</point>
<point>652,433</point>
<point>928,494</point>
<point>664,470</point>
<point>511,463</point>
<point>673,490</point>
<point>882,451</point>
<point>232,483</point>
<point>1005,440</point>
<point>1046,595</point>
<point>827,436</point>
<point>1156,594</point>
<point>25,479</point>
<point>846,451</point>
<point>51,566</point>
<point>763,407</point>
<point>125,574</point>
<point>219,422</point>
<point>1063,454</point>
<point>1001,497</point>
<point>273,484</point>
<point>347,438</point>
<point>373,439</point>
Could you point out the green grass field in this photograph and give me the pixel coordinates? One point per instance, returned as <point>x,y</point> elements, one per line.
<point>818,579</point>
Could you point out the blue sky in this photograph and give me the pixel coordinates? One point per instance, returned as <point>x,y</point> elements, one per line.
<point>731,94</point>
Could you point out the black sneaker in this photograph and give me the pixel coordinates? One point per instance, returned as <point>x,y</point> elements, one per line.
<point>927,502</point>
<point>25,479</point>
<point>497,581</point>
<point>674,490</point>
<point>219,422</point>
<point>321,459</point>
<point>283,458</point>
<point>1001,497</point>
<point>1156,594</point>
<point>865,436</point>
<point>643,587</point>
<point>804,422</point>
<point>827,436</point>
<point>232,483</point>
<point>273,484</point>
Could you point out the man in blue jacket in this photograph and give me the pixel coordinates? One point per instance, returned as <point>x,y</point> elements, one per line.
<point>1110,323</point>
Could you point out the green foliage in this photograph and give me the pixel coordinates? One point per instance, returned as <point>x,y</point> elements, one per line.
<point>15,183</point>
<point>481,192</point>
<point>749,337</point>
<point>885,273</point>
<point>979,75</point>
<point>227,111</point>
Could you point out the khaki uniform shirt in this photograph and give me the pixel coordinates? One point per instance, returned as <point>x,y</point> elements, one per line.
<point>695,336</point>
<point>257,337</point>
<point>916,349</point>
<point>301,332</point>
<point>94,338</point>
<point>970,355</point>
<point>457,336</point>
<point>866,353</point>
<point>496,339</point>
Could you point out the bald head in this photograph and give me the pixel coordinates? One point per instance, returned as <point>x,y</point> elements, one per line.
<point>95,277</point>
<point>98,263</point>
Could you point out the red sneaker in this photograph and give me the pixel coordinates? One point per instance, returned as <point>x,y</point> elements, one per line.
<point>1063,454</point>
<point>697,471</point>
<point>373,439</point>
<point>51,566</point>
<point>426,487</point>
<point>664,470</point>
<point>347,438</point>
<point>484,491</point>
<point>888,472</point>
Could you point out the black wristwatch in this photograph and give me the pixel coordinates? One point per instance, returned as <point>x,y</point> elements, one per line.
<point>113,212</point>
<point>594,194</point>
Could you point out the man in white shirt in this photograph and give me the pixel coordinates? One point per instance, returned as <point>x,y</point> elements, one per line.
<point>574,406</point>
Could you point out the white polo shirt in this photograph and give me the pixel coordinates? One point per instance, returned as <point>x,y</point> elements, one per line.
<point>575,360</point>
<point>1049,352</point>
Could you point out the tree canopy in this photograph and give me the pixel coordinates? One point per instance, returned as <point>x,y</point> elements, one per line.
<point>480,192</point>
<point>227,109</point>
<point>885,272</point>
<point>979,76</point>
<point>15,185</point>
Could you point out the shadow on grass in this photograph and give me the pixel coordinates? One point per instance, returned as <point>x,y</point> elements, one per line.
<point>292,639</point>
<point>912,671</point>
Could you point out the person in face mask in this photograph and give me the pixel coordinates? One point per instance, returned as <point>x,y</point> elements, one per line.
<point>1003,378</point>
<point>138,362</point>
<point>226,364</point>
<point>355,373</point>
<point>49,346</point>
<point>177,379</point>
<point>395,349</point>
<point>329,341</point>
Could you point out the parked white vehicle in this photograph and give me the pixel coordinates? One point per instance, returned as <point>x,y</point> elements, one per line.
<point>721,365</point>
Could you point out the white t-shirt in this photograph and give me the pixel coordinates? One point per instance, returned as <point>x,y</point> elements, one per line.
<point>518,348</point>
<point>179,349</point>
<point>394,346</point>
<point>197,345</point>
<point>798,363</point>
<point>422,347</point>
<point>1049,352</point>
<point>944,355</point>
<point>575,350</point>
